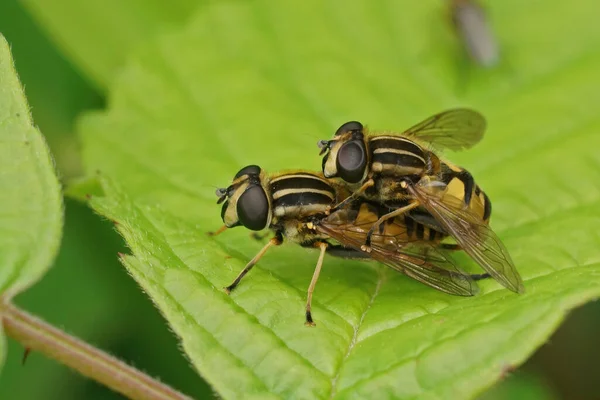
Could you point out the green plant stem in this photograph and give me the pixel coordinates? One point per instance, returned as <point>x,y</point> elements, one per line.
<point>37,335</point>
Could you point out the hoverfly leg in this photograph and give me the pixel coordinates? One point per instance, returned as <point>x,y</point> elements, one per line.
<point>217,232</point>
<point>367,246</point>
<point>276,241</point>
<point>258,237</point>
<point>456,247</point>
<point>479,277</point>
<point>313,283</point>
<point>370,182</point>
<point>450,246</point>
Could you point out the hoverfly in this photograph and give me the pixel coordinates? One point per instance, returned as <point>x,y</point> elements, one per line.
<point>402,172</point>
<point>470,22</point>
<point>295,206</point>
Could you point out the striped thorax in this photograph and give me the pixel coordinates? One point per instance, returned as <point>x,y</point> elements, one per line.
<point>283,201</point>
<point>300,194</point>
<point>357,156</point>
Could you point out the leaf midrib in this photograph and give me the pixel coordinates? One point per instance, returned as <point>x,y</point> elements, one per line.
<point>354,340</point>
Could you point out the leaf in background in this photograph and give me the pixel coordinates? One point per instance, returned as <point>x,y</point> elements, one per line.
<point>31,201</point>
<point>97,35</point>
<point>56,93</point>
<point>253,83</point>
<point>523,386</point>
<point>31,213</point>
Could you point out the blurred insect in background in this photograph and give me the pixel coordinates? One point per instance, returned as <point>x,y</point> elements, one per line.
<point>295,205</point>
<point>403,172</point>
<point>475,32</point>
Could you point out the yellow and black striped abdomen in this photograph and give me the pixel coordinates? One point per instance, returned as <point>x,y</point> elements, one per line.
<point>398,231</point>
<point>395,155</point>
<point>300,193</point>
<point>461,185</point>
<point>418,231</point>
<point>487,204</point>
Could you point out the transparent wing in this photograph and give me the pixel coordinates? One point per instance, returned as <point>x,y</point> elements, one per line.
<point>455,129</point>
<point>392,247</point>
<point>475,237</point>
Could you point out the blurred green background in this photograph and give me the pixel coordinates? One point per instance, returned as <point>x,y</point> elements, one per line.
<point>89,294</point>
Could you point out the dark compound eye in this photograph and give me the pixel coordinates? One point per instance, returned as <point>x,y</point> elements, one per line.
<point>349,127</point>
<point>249,170</point>
<point>253,208</point>
<point>351,161</point>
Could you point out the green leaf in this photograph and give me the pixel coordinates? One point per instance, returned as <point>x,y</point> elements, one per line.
<point>261,82</point>
<point>31,201</point>
<point>97,34</point>
<point>526,386</point>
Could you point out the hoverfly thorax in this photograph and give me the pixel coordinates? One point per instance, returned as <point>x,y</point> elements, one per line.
<point>245,201</point>
<point>346,154</point>
<point>402,172</point>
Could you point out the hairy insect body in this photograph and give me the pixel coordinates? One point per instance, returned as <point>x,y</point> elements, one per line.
<point>297,206</point>
<point>298,196</point>
<point>395,157</point>
<point>402,172</point>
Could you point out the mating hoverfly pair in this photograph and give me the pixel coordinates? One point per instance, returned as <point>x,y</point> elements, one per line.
<point>382,196</point>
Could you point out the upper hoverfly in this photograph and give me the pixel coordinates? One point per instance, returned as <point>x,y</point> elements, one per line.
<point>295,205</point>
<point>402,172</point>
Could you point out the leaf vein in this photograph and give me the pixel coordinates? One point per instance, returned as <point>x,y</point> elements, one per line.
<point>354,339</point>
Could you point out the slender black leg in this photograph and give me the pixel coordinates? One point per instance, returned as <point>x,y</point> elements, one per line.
<point>450,246</point>
<point>456,247</point>
<point>478,277</point>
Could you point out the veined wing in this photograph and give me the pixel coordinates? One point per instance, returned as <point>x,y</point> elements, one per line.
<point>455,129</point>
<point>392,247</point>
<point>475,237</point>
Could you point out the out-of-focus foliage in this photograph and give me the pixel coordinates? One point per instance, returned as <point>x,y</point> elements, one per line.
<point>31,201</point>
<point>31,215</point>
<point>98,35</point>
<point>54,91</point>
<point>522,386</point>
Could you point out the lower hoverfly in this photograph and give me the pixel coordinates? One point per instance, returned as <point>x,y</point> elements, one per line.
<point>403,172</point>
<point>295,205</point>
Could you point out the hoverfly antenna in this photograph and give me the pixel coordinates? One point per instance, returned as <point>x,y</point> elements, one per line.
<point>324,145</point>
<point>221,194</point>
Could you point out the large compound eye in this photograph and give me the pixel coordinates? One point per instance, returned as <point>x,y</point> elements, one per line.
<point>249,170</point>
<point>351,161</point>
<point>253,208</point>
<point>349,127</point>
